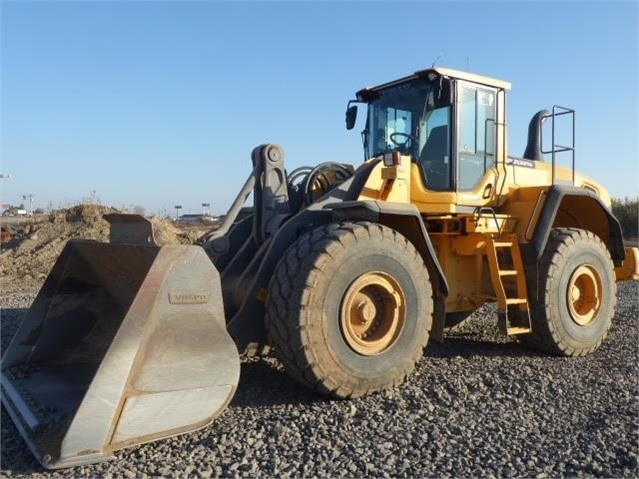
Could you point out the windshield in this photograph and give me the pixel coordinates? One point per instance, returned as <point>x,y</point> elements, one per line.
<point>399,120</point>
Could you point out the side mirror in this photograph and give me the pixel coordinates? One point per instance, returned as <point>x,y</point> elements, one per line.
<point>351,116</point>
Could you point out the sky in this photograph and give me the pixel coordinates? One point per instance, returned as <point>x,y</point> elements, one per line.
<point>159,103</point>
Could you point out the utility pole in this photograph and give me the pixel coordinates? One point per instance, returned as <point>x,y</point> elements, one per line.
<point>3,177</point>
<point>30,197</point>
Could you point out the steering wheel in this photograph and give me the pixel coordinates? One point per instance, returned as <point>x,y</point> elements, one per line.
<point>409,139</point>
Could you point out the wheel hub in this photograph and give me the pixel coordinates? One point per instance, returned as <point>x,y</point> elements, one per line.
<point>366,311</point>
<point>373,313</point>
<point>584,294</point>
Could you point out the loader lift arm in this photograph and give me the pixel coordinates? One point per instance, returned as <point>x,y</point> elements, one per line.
<point>245,252</point>
<point>246,275</point>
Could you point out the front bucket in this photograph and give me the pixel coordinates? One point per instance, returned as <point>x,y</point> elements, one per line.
<point>124,344</point>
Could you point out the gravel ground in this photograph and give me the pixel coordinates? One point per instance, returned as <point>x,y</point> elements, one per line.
<point>479,405</point>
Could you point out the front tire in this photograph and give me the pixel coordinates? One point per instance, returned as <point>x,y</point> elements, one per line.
<point>349,309</point>
<point>578,294</point>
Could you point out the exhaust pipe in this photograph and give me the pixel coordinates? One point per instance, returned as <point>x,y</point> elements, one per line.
<point>533,147</point>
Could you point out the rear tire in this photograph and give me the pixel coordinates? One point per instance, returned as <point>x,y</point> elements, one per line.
<point>349,309</point>
<point>578,295</point>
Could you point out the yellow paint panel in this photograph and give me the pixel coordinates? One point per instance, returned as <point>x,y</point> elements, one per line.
<point>388,183</point>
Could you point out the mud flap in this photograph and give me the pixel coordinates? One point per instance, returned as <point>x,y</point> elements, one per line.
<point>124,344</point>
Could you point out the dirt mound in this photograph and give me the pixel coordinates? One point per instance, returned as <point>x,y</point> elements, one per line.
<point>84,214</point>
<point>166,232</point>
<point>33,248</point>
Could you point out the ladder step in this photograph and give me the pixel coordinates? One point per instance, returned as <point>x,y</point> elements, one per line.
<point>502,244</point>
<point>511,330</point>
<point>507,272</point>
<point>516,300</point>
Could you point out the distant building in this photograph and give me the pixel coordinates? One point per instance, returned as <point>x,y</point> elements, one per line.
<point>8,210</point>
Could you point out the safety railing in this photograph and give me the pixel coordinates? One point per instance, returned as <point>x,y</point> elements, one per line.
<point>558,111</point>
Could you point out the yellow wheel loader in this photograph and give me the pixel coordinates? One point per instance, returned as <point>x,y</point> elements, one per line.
<point>344,272</point>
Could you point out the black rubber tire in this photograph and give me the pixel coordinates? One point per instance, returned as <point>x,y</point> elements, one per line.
<point>304,303</point>
<point>554,329</point>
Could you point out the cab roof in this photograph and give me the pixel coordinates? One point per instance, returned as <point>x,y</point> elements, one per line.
<point>432,73</point>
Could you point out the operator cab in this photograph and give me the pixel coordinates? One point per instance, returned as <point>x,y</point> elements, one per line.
<point>437,116</point>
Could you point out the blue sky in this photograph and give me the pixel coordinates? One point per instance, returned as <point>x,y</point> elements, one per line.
<point>160,103</point>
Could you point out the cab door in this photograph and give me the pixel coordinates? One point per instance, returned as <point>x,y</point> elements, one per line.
<point>476,175</point>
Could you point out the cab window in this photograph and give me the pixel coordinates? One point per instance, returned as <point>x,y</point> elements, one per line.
<point>476,140</point>
<point>434,148</point>
<point>399,123</point>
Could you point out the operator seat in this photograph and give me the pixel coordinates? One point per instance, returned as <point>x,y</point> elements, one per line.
<point>432,158</point>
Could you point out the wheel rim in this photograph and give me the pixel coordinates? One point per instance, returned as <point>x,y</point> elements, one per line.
<point>584,294</point>
<point>373,313</point>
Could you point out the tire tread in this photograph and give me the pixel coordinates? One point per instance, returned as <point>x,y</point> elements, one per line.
<point>286,321</point>
<point>546,336</point>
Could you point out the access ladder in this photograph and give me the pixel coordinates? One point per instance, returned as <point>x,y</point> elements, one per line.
<point>509,283</point>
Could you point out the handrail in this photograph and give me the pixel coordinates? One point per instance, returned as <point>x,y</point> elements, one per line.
<point>558,110</point>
